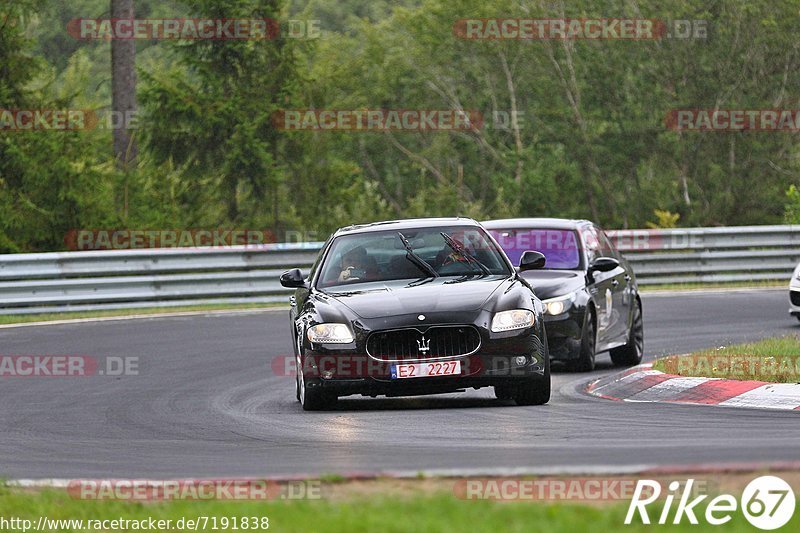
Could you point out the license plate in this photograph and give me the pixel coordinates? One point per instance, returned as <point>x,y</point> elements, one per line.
<point>426,370</point>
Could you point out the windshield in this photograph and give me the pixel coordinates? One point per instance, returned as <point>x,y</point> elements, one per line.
<point>560,247</point>
<point>431,252</point>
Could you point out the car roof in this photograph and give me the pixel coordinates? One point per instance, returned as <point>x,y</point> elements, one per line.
<point>411,223</point>
<point>540,222</point>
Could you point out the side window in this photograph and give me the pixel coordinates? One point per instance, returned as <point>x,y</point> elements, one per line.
<point>606,248</point>
<point>591,242</point>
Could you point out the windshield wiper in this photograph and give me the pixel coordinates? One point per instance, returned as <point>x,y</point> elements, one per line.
<point>460,250</point>
<point>412,256</point>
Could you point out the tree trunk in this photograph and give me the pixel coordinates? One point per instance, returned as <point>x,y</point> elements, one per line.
<point>123,88</point>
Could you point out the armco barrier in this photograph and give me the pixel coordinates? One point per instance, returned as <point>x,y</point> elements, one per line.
<point>711,255</point>
<point>69,281</point>
<point>77,281</point>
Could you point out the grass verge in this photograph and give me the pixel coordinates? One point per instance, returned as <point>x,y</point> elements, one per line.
<point>774,360</point>
<point>711,286</point>
<point>49,317</point>
<point>432,512</point>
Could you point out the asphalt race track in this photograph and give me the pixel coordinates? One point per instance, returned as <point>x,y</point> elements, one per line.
<point>206,402</point>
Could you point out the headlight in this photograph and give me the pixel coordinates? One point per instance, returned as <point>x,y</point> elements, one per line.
<point>514,319</point>
<point>556,306</point>
<point>330,334</point>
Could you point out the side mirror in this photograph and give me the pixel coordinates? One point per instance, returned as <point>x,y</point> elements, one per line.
<point>531,260</point>
<point>293,279</point>
<point>603,264</point>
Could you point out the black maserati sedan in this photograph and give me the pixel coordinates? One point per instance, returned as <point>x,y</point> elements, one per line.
<point>414,307</point>
<point>588,289</point>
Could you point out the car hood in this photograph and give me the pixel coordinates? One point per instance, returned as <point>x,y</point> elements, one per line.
<point>552,283</point>
<point>436,295</point>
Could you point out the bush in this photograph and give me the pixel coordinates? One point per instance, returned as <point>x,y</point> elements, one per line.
<point>792,211</point>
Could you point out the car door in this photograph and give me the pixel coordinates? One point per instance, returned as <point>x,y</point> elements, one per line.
<point>605,289</point>
<point>620,291</point>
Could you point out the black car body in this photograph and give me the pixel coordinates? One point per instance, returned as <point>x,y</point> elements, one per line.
<point>588,288</point>
<point>401,315</point>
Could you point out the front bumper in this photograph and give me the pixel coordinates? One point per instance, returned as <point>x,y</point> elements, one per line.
<point>352,371</point>
<point>794,297</point>
<point>564,334</point>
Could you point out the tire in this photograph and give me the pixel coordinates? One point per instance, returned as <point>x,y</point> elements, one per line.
<point>504,392</point>
<point>535,391</point>
<point>585,360</point>
<point>297,369</point>
<point>297,381</point>
<point>312,399</point>
<point>631,353</point>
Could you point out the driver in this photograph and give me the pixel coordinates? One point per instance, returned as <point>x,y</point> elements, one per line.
<point>358,265</point>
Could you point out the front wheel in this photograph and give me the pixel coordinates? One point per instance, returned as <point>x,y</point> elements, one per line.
<point>535,391</point>
<point>313,399</point>
<point>631,353</point>
<point>586,356</point>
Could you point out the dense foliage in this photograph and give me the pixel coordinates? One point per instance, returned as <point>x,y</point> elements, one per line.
<point>591,140</point>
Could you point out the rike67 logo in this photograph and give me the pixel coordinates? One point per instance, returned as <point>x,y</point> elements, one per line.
<point>767,502</point>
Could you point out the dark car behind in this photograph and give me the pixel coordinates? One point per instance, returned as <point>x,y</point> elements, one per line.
<point>588,288</point>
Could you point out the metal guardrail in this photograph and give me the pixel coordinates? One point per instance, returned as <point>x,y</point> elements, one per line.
<point>75,281</point>
<point>80,281</point>
<point>711,255</point>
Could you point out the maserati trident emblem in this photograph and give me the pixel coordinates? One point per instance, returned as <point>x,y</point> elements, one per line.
<point>423,345</point>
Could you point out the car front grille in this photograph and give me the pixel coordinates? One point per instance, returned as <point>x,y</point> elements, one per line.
<point>410,343</point>
<point>795,297</point>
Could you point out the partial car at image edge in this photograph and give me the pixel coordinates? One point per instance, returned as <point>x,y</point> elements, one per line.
<point>794,293</point>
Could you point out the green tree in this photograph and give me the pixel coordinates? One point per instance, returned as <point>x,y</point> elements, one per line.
<point>792,211</point>
<point>212,111</point>
<point>48,181</point>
